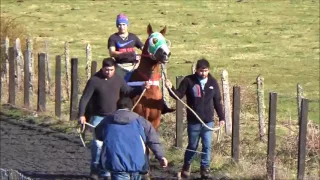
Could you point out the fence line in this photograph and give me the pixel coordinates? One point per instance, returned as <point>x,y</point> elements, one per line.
<point>74,82</point>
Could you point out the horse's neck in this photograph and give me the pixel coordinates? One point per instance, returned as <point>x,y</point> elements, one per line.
<point>149,68</point>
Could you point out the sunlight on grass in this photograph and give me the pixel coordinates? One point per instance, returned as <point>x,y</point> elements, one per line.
<point>277,39</point>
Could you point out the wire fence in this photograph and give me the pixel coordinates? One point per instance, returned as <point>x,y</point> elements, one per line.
<point>11,174</point>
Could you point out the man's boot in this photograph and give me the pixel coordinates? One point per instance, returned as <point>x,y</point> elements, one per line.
<point>186,171</point>
<point>165,108</point>
<point>205,173</point>
<point>94,174</point>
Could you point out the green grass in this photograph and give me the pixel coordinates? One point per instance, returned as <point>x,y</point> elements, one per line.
<point>277,39</point>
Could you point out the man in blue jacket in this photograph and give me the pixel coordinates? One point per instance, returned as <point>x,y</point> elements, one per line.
<point>126,138</point>
<point>203,96</point>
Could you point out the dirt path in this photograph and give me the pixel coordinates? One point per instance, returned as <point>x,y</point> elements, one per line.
<point>41,153</point>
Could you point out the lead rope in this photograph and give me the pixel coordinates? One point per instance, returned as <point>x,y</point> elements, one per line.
<point>141,95</point>
<point>212,129</point>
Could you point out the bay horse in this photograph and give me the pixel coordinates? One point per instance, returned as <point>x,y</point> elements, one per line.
<point>155,52</point>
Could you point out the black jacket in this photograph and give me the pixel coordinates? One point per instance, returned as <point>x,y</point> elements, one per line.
<point>203,102</point>
<point>104,94</point>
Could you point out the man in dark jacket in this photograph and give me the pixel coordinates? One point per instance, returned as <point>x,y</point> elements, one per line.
<point>203,96</point>
<point>103,90</point>
<point>126,137</point>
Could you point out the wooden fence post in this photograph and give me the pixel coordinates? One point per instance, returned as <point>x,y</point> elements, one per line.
<point>26,80</point>
<point>165,92</point>
<point>226,101</point>
<point>74,89</point>
<point>31,63</point>
<point>2,80</point>
<point>58,87</point>
<point>12,82</point>
<point>179,117</point>
<point>89,60</point>
<point>6,56</point>
<point>19,63</point>
<point>272,135</point>
<point>193,68</point>
<point>41,82</point>
<point>67,62</point>
<point>302,138</point>
<point>93,67</point>
<point>2,72</point>
<point>261,107</point>
<point>236,124</point>
<point>299,99</point>
<point>48,68</point>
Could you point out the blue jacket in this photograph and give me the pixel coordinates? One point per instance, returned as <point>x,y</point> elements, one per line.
<point>125,136</point>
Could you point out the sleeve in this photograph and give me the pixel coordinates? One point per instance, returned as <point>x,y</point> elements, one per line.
<point>152,138</point>
<point>128,90</point>
<point>111,42</point>
<point>182,89</point>
<point>217,101</point>
<point>87,93</point>
<point>138,43</point>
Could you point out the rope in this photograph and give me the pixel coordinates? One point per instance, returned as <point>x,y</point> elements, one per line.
<point>139,99</point>
<point>190,150</point>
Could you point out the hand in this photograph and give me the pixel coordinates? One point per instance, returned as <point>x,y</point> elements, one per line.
<point>138,57</point>
<point>82,119</point>
<point>147,84</point>
<point>168,84</point>
<point>163,162</point>
<point>221,123</point>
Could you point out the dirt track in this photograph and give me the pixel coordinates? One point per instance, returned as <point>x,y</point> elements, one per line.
<point>41,153</point>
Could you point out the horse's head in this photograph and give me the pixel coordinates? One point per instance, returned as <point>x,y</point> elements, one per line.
<point>157,46</point>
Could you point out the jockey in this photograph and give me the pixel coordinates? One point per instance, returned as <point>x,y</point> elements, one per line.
<point>122,46</point>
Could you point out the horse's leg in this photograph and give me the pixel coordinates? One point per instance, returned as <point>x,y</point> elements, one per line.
<point>156,124</point>
<point>154,118</point>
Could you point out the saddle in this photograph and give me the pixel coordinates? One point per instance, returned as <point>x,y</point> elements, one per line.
<point>128,76</point>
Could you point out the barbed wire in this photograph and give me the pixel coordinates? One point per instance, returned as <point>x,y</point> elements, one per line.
<point>11,174</point>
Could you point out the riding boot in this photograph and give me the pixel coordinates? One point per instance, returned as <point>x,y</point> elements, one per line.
<point>186,171</point>
<point>205,173</point>
<point>165,108</point>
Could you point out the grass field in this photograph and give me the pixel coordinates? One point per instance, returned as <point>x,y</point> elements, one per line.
<point>277,39</point>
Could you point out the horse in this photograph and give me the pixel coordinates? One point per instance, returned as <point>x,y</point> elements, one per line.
<point>150,104</point>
